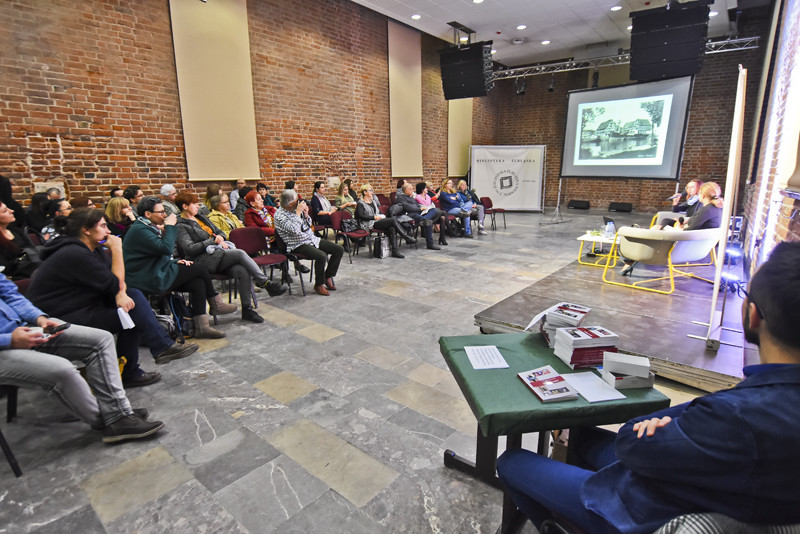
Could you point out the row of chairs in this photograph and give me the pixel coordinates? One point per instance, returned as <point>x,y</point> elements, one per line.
<point>486,202</point>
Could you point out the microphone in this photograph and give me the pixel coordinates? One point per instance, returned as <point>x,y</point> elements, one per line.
<point>673,197</point>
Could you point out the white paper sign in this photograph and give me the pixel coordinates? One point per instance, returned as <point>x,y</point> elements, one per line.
<point>486,357</point>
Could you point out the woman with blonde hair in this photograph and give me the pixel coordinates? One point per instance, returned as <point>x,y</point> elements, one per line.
<point>451,203</point>
<point>469,202</point>
<point>344,199</point>
<point>213,190</point>
<point>120,215</point>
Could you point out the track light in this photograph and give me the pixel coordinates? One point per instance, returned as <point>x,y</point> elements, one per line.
<point>552,84</point>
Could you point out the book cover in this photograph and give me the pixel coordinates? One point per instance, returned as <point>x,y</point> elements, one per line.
<point>548,385</point>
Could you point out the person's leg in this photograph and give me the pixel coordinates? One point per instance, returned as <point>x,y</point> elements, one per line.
<point>481,215</point>
<point>192,279</point>
<point>152,335</point>
<point>467,225</point>
<point>95,348</point>
<point>240,257</point>
<point>319,257</point>
<point>594,448</point>
<point>335,253</point>
<point>540,487</point>
<point>243,283</point>
<point>33,369</point>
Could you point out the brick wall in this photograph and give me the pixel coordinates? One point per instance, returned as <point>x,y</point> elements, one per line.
<point>88,92</point>
<point>538,116</point>
<point>434,112</point>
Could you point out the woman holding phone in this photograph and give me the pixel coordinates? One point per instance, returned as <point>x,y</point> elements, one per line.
<point>79,282</point>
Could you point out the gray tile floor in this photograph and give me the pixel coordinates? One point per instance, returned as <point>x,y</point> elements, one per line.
<point>332,416</point>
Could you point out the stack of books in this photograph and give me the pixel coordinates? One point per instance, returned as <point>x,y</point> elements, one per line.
<point>562,315</point>
<point>583,346</point>
<point>548,385</point>
<point>624,371</point>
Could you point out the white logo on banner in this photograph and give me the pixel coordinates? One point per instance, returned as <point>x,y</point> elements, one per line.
<point>512,176</point>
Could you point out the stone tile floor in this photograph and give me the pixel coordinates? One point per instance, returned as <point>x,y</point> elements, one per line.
<point>332,416</point>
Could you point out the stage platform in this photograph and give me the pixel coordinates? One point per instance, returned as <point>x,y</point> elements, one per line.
<point>649,324</point>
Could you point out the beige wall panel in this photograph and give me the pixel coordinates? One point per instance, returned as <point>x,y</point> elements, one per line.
<point>459,136</point>
<point>405,100</point>
<point>212,60</point>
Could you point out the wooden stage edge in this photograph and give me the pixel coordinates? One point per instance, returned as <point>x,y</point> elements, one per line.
<point>649,324</point>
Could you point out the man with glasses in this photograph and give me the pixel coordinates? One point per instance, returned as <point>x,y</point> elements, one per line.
<point>134,195</point>
<point>234,196</point>
<point>150,267</point>
<point>733,452</point>
<point>294,227</point>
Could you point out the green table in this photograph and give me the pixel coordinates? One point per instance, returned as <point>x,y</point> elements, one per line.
<point>504,406</point>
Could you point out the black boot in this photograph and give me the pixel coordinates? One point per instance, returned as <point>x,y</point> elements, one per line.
<point>428,232</point>
<point>393,245</point>
<point>401,232</point>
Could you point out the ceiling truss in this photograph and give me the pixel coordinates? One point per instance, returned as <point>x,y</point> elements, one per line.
<point>712,47</point>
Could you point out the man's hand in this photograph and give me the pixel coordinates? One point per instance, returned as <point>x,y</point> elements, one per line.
<point>24,338</point>
<point>185,262</point>
<point>649,426</point>
<point>124,301</point>
<point>171,220</point>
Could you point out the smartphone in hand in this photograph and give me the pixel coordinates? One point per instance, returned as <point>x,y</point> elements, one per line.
<point>56,330</point>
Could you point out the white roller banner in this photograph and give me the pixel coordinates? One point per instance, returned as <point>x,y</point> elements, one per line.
<point>512,176</point>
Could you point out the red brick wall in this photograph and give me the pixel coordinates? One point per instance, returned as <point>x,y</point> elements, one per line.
<point>88,91</point>
<point>434,112</point>
<point>537,117</point>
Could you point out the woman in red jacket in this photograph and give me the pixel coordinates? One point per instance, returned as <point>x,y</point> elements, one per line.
<point>260,215</point>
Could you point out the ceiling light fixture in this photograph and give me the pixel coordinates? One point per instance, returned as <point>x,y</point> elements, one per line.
<point>545,42</point>
<point>712,13</point>
<point>463,38</point>
<point>521,27</point>
<point>416,17</point>
<point>616,8</point>
<point>477,1</point>
<point>493,52</point>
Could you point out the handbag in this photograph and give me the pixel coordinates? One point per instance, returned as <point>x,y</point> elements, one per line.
<point>349,225</point>
<point>380,248</point>
<point>26,263</point>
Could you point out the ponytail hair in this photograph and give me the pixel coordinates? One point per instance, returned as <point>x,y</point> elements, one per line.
<point>77,221</point>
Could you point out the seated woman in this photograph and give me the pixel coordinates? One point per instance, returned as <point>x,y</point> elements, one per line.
<point>344,199</point>
<point>221,215</point>
<point>708,216</point>
<point>470,201</point>
<point>119,215</point>
<point>13,242</point>
<point>80,283</point>
<point>269,200</point>
<point>213,190</point>
<point>320,206</point>
<point>686,204</point>
<point>259,215</point>
<point>369,216</point>
<point>426,203</point>
<point>35,216</point>
<point>201,242</point>
<point>55,208</point>
<point>451,203</point>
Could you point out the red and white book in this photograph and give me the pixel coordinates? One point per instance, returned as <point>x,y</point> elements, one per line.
<point>548,385</point>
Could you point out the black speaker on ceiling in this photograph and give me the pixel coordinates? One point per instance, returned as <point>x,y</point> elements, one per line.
<point>466,70</point>
<point>669,42</point>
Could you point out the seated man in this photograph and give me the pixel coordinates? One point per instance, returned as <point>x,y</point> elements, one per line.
<point>423,216</point>
<point>28,359</point>
<point>295,228</point>
<point>733,452</point>
<point>150,267</point>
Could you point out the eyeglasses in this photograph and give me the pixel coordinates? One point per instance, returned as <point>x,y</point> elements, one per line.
<point>160,211</point>
<point>68,208</point>
<point>743,294</point>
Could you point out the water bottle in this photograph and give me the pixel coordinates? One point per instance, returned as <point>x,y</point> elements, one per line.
<point>611,231</point>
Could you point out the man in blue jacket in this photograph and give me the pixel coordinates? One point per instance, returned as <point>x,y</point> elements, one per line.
<point>733,452</point>
<point>30,358</point>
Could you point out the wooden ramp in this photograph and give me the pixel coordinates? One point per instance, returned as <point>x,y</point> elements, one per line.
<point>649,324</point>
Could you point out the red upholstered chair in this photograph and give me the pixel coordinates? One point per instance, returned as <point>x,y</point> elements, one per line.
<point>383,199</point>
<point>353,239</point>
<point>253,241</point>
<point>489,209</point>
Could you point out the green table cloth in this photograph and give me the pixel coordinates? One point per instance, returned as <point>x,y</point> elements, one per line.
<point>503,405</point>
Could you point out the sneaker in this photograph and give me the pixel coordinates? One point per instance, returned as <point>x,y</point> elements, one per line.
<point>275,288</point>
<point>144,379</point>
<point>130,427</point>
<point>482,231</point>
<point>176,352</point>
<point>249,314</point>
